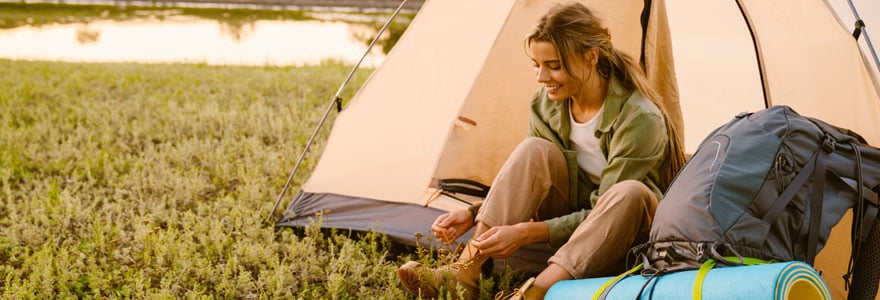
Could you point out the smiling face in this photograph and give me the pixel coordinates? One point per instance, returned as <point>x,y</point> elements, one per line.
<point>550,72</point>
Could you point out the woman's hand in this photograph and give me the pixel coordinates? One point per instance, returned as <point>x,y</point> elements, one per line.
<point>503,241</point>
<point>449,226</point>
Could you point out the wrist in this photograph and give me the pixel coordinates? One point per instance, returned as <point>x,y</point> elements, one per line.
<point>534,232</point>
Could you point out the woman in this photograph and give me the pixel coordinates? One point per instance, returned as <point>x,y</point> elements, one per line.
<point>587,180</point>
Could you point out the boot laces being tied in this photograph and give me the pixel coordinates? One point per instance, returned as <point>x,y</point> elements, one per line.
<point>426,282</point>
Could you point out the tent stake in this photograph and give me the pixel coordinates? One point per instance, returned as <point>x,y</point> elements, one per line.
<point>335,101</point>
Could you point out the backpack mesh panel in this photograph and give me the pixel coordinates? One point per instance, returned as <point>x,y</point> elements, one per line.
<point>867,268</point>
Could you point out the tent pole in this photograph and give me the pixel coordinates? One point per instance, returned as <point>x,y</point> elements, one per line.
<point>335,101</point>
<point>864,30</point>
<point>747,19</point>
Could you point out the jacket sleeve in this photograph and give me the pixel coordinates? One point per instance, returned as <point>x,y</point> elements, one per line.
<point>635,149</point>
<point>534,124</point>
<point>562,227</point>
<point>539,126</point>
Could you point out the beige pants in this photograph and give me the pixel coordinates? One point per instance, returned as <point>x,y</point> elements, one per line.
<point>533,185</point>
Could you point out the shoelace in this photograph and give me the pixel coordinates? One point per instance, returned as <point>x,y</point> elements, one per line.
<point>469,263</point>
<point>520,291</point>
<point>500,295</point>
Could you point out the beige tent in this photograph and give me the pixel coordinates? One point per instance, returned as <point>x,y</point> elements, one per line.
<point>810,62</point>
<point>451,99</point>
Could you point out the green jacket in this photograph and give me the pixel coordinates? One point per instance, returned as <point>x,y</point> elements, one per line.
<point>632,136</point>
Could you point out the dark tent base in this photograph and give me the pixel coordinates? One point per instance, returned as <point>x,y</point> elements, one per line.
<point>399,221</point>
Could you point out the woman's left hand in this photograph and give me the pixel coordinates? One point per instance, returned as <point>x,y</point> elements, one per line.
<point>501,241</point>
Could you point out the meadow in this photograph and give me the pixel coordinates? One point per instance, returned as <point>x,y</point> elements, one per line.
<point>144,181</point>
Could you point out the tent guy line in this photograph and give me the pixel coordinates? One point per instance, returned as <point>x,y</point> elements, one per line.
<point>335,101</point>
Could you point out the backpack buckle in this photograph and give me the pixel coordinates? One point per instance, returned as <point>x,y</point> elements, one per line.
<point>828,143</point>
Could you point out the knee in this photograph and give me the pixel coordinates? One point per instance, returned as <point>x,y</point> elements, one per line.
<point>534,147</point>
<point>630,193</point>
<point>535,144</point>
<point>631,188</point>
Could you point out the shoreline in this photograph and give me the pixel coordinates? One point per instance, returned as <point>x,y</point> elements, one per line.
<point>355,5</point>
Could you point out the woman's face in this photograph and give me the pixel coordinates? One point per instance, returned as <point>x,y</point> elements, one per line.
<point>549,72</point>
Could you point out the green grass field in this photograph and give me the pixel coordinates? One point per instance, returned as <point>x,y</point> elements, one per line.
<point>154,181</point>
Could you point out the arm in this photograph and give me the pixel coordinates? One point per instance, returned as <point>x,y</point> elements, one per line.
<point>561,228</point>
<point>503,241</point>
<point>449,226</point>
<point>634,151</point>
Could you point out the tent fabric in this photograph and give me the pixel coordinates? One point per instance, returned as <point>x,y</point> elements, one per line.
<point>449,101</point>
<point>451,98</point>
<point>343,212</point>
<point>847,12</point>
<point>827,60</point>
<point>809,61</point>
<point>400,222</point>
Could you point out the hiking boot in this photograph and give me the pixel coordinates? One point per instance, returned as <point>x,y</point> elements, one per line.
<point>527,291</point>
<point>426,282</point>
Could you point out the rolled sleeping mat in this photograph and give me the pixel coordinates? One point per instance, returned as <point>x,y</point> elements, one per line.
<point>786,280</point>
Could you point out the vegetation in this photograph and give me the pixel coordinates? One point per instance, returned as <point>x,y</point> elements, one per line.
<point>154,181</point>
<point>40,14</point>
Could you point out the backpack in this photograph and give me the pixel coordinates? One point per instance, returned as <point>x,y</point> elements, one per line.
<point>769,185</point>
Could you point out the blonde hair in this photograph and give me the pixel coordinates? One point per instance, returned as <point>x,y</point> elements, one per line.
<point>574,30</point>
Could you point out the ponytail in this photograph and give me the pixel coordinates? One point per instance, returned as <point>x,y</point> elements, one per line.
<point>632,76</point>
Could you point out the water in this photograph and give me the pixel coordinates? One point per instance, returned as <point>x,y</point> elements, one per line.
<point>174,36</point>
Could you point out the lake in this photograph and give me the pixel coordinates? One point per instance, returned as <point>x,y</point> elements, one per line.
<point>101,33</point>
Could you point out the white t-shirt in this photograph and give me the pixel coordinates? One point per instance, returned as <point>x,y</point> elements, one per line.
<point>589,155</point>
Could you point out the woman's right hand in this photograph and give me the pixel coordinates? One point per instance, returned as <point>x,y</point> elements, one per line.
<point>449,226</point>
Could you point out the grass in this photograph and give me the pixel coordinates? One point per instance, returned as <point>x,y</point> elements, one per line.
<point>154,181</point>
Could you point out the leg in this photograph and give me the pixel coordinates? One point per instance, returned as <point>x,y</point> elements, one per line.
<point>622,218</point>
<point>536,288</point>
<point>532,184</point>
<point>552,274</point>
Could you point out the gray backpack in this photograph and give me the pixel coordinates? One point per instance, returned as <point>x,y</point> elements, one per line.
<point>769,185</point>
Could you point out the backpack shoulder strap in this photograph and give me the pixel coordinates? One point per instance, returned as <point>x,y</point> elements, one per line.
<point>816,201</point>
<point>814,170</point>
<point>779,205</point>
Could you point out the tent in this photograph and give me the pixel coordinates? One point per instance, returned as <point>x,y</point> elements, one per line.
<point>809,61</point>
<point>451,98</point>
<point>449,101</point>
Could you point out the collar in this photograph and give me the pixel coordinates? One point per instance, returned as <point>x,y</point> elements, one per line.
<point>614,99</point>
